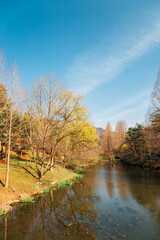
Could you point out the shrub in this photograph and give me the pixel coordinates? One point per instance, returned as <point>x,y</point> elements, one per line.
<point>78,171</point>
<point>47,190</point>
<point>70,183</point>
<point>79,176</point>
<point>3,212</point>
<point>28,200</point>
<point>84,166</point>
<point>60,185</point>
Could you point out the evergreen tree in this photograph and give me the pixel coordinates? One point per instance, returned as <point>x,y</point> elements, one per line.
<point>135,140</point>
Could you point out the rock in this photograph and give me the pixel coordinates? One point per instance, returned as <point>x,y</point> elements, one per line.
<point>40,192</point>
<point>16,201</point>
<point>54,182</point>
<point>24,195</point>
<point>39,182</point>
<point>7,207</point>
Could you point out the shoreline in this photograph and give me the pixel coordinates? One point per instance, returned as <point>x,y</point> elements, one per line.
<point>149,165</point>
<point>46,186</point>
<point>26,192</point>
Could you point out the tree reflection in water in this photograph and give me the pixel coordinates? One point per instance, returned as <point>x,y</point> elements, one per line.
<point>110,182</point>
<point>62,214</point>
<point>109,203</point>
<point>144,187</point>
<point>142,184</point>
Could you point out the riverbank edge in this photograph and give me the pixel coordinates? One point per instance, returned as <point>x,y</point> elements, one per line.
<point>25,197</point>
<point>149,165</point>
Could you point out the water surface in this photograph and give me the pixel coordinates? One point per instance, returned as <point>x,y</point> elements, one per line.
<point>111,202</point>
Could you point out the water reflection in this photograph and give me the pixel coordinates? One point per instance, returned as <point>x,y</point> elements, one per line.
<point>122,184</point>
<point>116,182</point>
<point>63,214</point>
<point>110,203</point>
<point>144,186</point>
<point>110,182</point>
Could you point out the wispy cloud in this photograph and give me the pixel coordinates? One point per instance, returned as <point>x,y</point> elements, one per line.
<point>132,110</point>
<point>94,67</point>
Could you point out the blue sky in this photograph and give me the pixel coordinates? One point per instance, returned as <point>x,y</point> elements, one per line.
<point>107,50</point>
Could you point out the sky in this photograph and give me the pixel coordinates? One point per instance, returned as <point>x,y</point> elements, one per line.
<point>106,50</point>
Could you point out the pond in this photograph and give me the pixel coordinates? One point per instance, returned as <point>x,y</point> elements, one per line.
<point>111,202</point>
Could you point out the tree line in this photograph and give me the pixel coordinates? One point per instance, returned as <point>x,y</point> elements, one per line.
<point>111,141</point>
<point>46,122</point>
<point>140,144</point>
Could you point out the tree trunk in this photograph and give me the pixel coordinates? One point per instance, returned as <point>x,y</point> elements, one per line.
<point>5,228</point>
<point>41,177</point>
<point>10,130</point>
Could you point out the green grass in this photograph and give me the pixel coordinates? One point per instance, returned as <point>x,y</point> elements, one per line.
<point>28,200</point>
<point>84,166</point>
<point>3,212</point>
<point>70,183</point>
<point>23,180</point>
<point>79,176</point>
<point>60,185</point>
<point>64,184</point>
<point>47,190</point>
<point>78,171</point>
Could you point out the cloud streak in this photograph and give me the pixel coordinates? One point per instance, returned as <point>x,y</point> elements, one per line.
<point>132,110</point>
<point>93,68</point>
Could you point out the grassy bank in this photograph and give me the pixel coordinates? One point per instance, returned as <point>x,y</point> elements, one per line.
<point>24,182</point>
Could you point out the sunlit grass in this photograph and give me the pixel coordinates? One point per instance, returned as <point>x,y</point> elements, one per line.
<point>28,200</point>
<point>47,190</point>
<point>65,183</point>
<point>3,212</point>
<point>23,179</point>
<point>79,176</point>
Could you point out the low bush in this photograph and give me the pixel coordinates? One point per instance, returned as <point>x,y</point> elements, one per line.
<point>79,176</point>
<point>60,185</point>
<point>78,171</point>
<point>47,190</point>
<point>70,183</point>
<point>3,212</point>
<point>28,200</point>
<point>84,166</point>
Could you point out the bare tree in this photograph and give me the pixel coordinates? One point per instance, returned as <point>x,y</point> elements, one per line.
<point>51,114</point>
<point>120,133</point>
<point>154,105</point>
<point>107,141</point>
<point>152,130</point>
<point>10,127</point>
<point>7,112</point>
<point>3,102</point>
<point>156,94</point>
<point>2,66</point>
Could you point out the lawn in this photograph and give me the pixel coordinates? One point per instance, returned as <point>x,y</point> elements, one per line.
<point>23,180</point>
